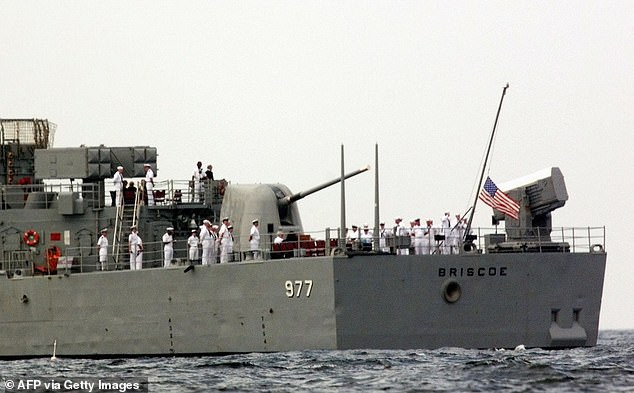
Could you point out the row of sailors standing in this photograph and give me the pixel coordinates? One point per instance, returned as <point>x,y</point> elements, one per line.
<point>423,240</point>
<point>197,194</point>
<point>431,240</point>
<point>135,248</point>
<point>214,241</point>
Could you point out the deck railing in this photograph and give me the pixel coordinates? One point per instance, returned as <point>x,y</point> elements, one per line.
<point>309,244</point>
<point>100,194</point>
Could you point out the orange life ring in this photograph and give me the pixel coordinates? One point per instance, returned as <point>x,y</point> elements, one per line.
<point>31,238</point>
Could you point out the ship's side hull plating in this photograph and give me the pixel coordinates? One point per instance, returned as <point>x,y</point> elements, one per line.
<point>375,301</point>
<point>470,301</point>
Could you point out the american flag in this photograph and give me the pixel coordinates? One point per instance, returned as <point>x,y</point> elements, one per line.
<point>494,197</point>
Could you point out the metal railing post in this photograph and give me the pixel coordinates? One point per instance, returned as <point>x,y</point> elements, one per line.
<point>589,240</point>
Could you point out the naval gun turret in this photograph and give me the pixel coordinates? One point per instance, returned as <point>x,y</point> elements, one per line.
<point>538,195</point>
<point>273,205</point>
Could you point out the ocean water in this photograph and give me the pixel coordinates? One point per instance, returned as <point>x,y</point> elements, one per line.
<point>608,367</point>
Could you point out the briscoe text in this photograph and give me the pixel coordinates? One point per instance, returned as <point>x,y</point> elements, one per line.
<point>491,271</point>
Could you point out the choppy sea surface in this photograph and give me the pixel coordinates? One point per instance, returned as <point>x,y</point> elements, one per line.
<point>608,367</point>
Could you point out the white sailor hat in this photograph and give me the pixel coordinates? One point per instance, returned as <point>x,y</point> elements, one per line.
<point>193,230</point>
<point>206,222</point>
<point>146,164</point>
<point>119,168</point>
<point>230,227</point>
<point>104,230</point>
<point>365,226</point>
<point>225,219</point>
<point>254,221</point>
<point>132,226</point>
<point>169,229</point>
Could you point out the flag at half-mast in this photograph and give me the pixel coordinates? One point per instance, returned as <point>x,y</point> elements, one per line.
<point>494,197</point>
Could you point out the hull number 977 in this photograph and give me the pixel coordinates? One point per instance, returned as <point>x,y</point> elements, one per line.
<point>298,288</point>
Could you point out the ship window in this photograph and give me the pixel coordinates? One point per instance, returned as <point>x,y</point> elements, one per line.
<point>575,314</point>
<point>554,314</point>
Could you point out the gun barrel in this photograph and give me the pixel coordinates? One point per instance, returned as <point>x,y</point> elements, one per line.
<point>295,197</point>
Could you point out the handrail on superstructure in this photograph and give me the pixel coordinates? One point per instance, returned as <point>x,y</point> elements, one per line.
<point>116,239</point>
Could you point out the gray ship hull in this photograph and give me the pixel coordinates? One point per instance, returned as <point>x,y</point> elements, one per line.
<point>529,286</point>
<point>475,300</point>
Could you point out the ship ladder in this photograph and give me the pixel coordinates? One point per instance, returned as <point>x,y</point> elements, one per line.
<point>116,240</point>
<point>126,217</point>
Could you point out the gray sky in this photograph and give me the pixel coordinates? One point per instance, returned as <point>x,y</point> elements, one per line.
<point>269,91</point>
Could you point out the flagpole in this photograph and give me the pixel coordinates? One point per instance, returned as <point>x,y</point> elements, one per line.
<point>343,233</point>
<point>484,166</point>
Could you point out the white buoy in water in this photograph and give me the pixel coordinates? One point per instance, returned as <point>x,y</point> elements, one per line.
<point>54,350</point>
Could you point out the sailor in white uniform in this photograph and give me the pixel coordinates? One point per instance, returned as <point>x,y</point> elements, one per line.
<point>207,241</point>
<point>454,235</point>
<point>418,236</point>
<point>226,245</point>
<point>366,238</point>
<point>134,242</point>
<point>168,247</point>
<point>383,234</point>
<point>215,244</point>
<point>445,230</point>
<point>149,184</point>
<point>197,176</point>
<point>223,227</point>
<point>192,245</point>
<point>254,240</point>
<point>102,246</point>
<point>222,232</point>
<point>399,231</point>
<point>462,228</point>
<point>139,255</point>
<point>352,238</point>
<point>117,181</point>
<point>428,239</point>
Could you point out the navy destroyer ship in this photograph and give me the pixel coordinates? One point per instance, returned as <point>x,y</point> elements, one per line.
<point>533,284</point>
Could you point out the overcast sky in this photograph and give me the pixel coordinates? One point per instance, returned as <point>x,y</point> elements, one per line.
<point>269,91</point>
